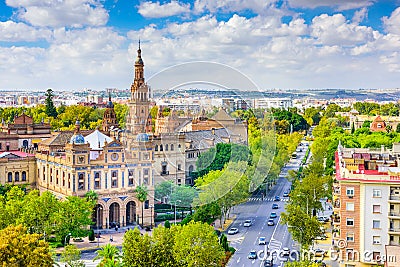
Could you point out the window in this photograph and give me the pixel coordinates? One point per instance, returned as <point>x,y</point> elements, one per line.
<point>166,147</point>
<point>161,148</point>
<point>349,221</point>
<point>179,145</point>
<point>376,240</point>
<point>179,167</point>
<point>9,179</point>
<point>97,183</point>
<point>350,237</point>
<point>376,208</point>
<point>350,191</point>
<point>23,176</point>
<point>146,156</point>
<point>69,180</point>
<point>172,147</point>
<point>377,193</point>
<point>17,176</point>
<point>81,182</point>
<point>114,179</point>
<point>131,178</point>
<point>350,206</point>
<point>156,148</point>
<point>376,224</point>
<point>146,204</point>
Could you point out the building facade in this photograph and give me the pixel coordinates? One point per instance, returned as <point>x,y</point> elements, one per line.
<point>366,204</point>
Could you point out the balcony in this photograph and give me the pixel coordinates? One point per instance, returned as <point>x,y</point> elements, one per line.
<point>394,230</point>
<point>394,199</point>
<point>164,173</point>
<point>336,219</point>
<point>394,214</point>
<point>336,205</point>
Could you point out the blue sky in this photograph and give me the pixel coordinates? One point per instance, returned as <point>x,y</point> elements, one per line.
<point>286,44</point>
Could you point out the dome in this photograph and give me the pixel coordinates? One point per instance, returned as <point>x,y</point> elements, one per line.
<point>142,137</point>
<point>77,139</point>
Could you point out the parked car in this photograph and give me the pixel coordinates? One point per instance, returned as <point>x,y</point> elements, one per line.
<point>277,198</point>
<point>271,222</point>
<point>275,206</point>
<point>247,223</point>
<point>262,240</point>
<point>252,255</point>
<point>321,237</point>
<point>233,231</point>
<point>285,194</point>
<point>285,251</point>
<point>273,215</point>
<point>323,219</point>
<point>268,262</point>
<point>318,252</point>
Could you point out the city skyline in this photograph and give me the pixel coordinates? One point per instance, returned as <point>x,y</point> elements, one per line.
<point>289,44</point>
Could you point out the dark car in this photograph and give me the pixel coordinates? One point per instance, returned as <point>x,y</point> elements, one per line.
<point>277,198</point>
<point>271,222</point>
<point>275,206</point>
<point>268,263</point>
<point>252,255</point>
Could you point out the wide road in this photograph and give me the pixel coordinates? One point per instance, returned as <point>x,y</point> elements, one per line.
<point>258,210</point>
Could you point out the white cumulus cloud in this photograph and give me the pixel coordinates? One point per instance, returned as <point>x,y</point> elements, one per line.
<point>338,4</point>
<point>11,31</point>
<point>392,23</point>
<point>157,10</point>
<point>66,13</point>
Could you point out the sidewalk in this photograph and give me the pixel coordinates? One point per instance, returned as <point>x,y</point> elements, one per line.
<point>105,238</point>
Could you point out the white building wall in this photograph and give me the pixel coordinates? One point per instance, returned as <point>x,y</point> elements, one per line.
<point>370,216</point>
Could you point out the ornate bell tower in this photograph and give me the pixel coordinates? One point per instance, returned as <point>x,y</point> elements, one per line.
<point>138,117</point>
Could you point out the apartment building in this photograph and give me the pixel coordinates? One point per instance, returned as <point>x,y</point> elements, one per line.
<point>367,205</point>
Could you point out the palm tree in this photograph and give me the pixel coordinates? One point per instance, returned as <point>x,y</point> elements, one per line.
<point>109,254</point>
<point>141,195</point>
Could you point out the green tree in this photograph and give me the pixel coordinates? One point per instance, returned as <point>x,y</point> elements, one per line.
<point>137,249</point>
<point>74,215</point>
<point>301,226</point>
<point>398,128</point>
<point>167,224</point>
<point>141,195</point>
<point>228,187</point>
<point>164,190</point>
<point>163,240</point>
<point>51,110</point>
<point>196,245</point>
<point>303,263</point>
<point>71,256</point>
<point>18,248</point>
<point>109,255</point>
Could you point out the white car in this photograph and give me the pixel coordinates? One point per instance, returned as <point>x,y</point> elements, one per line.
<point>262,240</point>
<point>233,231</point>
<point>247,223</point>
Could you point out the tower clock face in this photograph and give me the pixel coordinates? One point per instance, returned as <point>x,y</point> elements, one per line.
<point>114,156</point>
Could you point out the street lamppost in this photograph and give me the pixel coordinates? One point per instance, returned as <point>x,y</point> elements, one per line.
<point>175,209</point>
<point>65,240</point>
<point>151,216</point>
<point>98,233</point>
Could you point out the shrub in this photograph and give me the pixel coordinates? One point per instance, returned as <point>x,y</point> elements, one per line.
<point>91,235</point>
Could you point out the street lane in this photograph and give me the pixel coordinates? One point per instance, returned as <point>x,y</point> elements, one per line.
<point>258,210</point>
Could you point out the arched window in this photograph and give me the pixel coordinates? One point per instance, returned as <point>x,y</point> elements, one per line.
<point>156,148</point>
<point>161,148</point>
<point>179,145</point>
<point>25,143</point>
<point>17,176</point>
<point>96,175</point>
<point>166,147</point>
<point>172,147</point>
<point>9,177</point>
<point>23,176</point>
